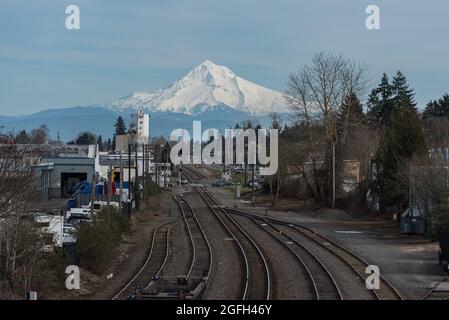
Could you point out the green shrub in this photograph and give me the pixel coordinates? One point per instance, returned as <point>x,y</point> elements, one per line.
<point>98,242</point>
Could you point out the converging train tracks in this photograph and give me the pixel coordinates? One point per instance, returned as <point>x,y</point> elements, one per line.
<point>296,233</point>
<point>154,263</point>
<point>257,282</point>
<point>293,238</point>
<point>151,281</point>
<point>180,262</point>
<point>323,284</point>
<point>201,248</point>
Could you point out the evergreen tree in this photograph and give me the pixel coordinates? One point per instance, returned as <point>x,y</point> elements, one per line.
<point>403,95</point>
<point>392,107</point>
<point>350,115</point>
<point>120,126</point>
<point>380,102</point>
<point>349,118</point>
<point>388,96</point>
<point>437,108</point>
<point>100,143</point>
<point>86,138</point>
<point>120,129</point>
<point>402,140</point>
<point>22,138</point>
<point>257,128</point>
<point>247,124</point>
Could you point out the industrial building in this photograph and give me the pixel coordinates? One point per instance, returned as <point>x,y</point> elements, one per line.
<point>61,167</point>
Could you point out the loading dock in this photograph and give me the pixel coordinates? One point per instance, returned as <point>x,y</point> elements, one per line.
<point>69,180</point>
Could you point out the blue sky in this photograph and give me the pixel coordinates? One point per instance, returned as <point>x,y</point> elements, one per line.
<point>126,46</point>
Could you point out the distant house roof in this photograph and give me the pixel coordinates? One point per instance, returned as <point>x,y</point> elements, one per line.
<point>61,151</point>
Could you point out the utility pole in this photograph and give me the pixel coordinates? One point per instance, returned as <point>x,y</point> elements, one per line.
<point>109,185</point>
<point>333,172</point>
<point>157,164</point>
<point>143,170</point>
<point>254,172</point>
<point>136,166</point>
<point>245,165</point>
<point>245,159</point>
<point>224,170</point>
<point>147,170</point>
<point>168,158</point>
<point>129,180</point>
<point>121,184</point>
<point>136,179</point>
<point>180,176</point>
<point>224,153</point>
<point>252,183</point>
<point>182,156</point>
<point>92,200</point>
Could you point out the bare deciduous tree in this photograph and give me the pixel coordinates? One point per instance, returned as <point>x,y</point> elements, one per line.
<point>276,181</point>
<point>21,240</point>
<point>315,95</point>
<point>429,181</point>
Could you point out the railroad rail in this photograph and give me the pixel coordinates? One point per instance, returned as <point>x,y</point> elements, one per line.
<point>201,263</point>
<point>434,294</point>
<point>142,277</point>
<point>323,283</point>
<point>255,263</point>
<point>290,235</point>
<point>386,291</point>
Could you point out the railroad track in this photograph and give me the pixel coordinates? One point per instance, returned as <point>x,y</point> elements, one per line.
<point>257,276</point>
<point>433,294</point>
<point>353,261</point>
<point>197,175</point>
<point>201,254</point>
<point>154,262</point>
<point>201,262</point>
<point>323,284</point>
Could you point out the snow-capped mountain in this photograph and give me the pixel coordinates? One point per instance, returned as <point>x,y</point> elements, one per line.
<point>209,93</point>
<point>206,87</point>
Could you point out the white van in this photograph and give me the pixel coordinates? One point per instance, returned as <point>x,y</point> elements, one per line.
<point>85,213</point>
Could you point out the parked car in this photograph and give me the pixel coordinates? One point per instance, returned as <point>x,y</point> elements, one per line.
<point>228,183</point>
<point>218,183</point>
<point>183,181</point>
<point>254,184</point>
<point>74,221</point>
<point>69,234</point>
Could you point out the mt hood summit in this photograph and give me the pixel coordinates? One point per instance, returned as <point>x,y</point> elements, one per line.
<point>205,87</point>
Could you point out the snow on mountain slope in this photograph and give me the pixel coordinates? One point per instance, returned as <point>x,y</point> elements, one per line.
<point>208,85</point>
